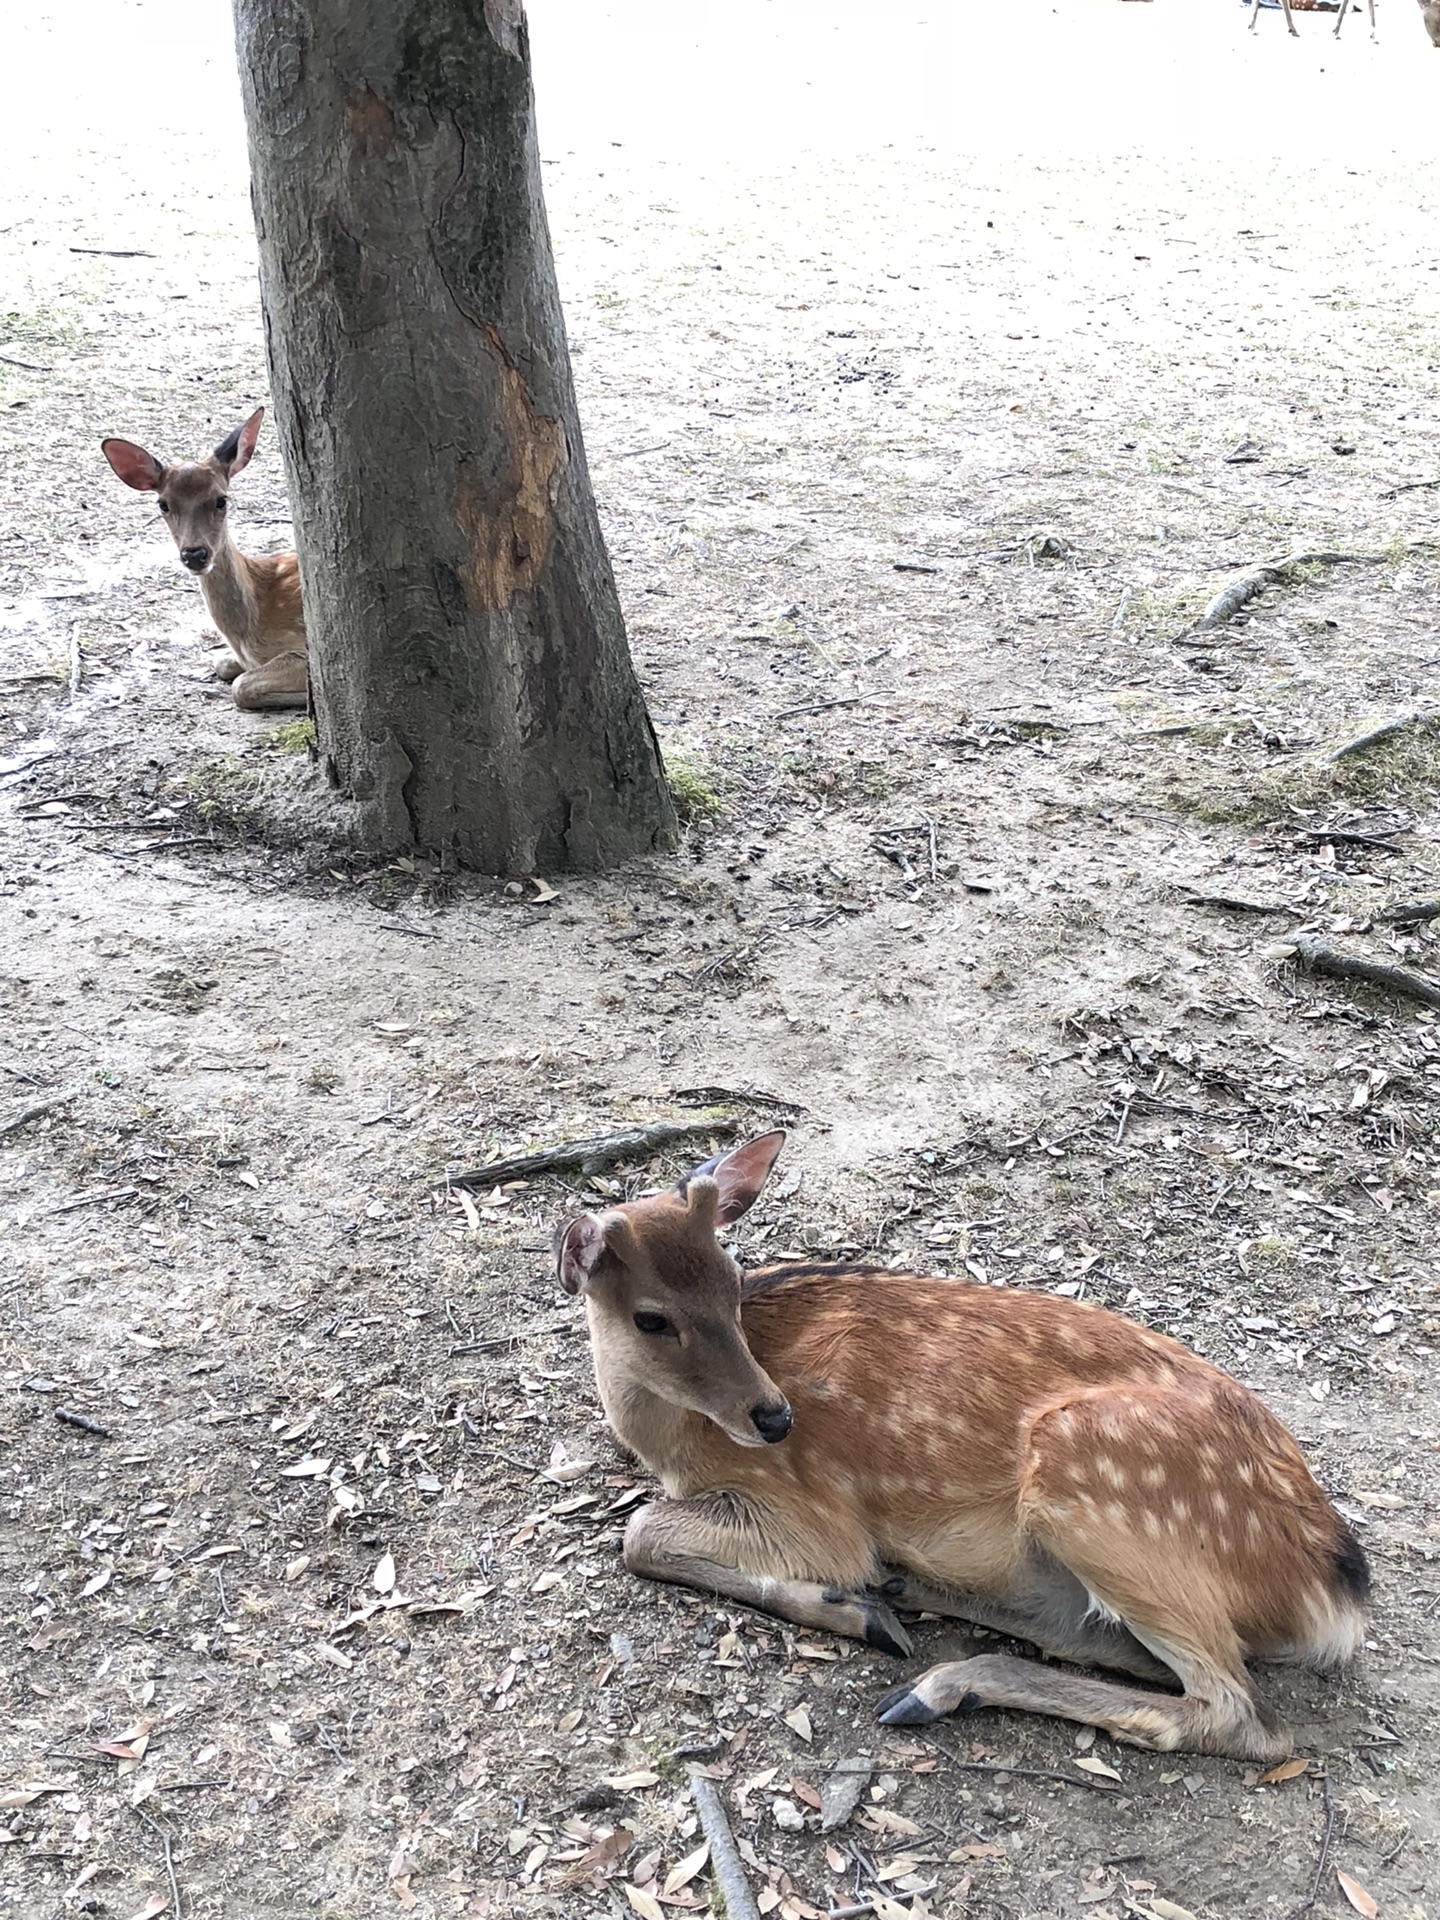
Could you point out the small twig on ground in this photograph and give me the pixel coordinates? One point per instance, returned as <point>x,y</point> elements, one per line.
<point>1409,486</point>
<point>155,1827</point>
<point>1427,722</point>
<point>1343,836</point>
<point>589,1156</point>
<point>512,1460</point>
<point>1321,956</point>
<point>1234,905</point>
<point>711,1096</point>
<point>1117,625</point>
<point>934,850</point>
<point>1021,1773</point>
<point>1412,913</point>
<point>868,1906</point>
<point>118,253</point>
<point>735,1895</point>
<point>480,1346</point>
<point>34,1111</point>
<point>96,1199</point>
<point>77,665</point>
<point>824,706</point>
<point>396,925</point>
<point>30,366</point>
<point>912,566</point>
<point>1327,1833</point>
<point>83,1422</point>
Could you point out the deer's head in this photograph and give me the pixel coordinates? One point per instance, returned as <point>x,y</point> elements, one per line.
<point>194,494</point>
<point>663,1298</point>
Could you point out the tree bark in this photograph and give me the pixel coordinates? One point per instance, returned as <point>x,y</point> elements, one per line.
<point>472,687</point>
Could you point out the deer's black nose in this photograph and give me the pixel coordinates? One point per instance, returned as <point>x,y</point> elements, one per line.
<point>195,558</point>
<point>772,1423</point>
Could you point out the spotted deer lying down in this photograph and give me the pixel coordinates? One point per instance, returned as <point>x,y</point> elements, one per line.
<point>255,603</point>
<point>835,1442</point>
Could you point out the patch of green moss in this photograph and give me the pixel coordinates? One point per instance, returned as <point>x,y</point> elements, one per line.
<point>1402,767</point>
<point>696,800</point>
<point>296,736</point>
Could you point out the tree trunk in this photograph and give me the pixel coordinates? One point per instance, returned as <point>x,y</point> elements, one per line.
<point>472,687</point>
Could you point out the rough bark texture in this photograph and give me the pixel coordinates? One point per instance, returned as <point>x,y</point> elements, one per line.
<point>472,686</point>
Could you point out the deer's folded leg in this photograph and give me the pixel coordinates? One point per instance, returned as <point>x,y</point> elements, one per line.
<point>282,682</point>
<point>700,1543</point>
<point>1227,1719</point>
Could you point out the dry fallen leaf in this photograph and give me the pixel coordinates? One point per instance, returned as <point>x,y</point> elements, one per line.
<point>96,1583</point>
<point>882,1820</point>
<point>1287,1770</point>
<point>1359,1899</point>
<point>1169,1910</point>
<point>602,1858</point>
<point>644,1903</point>
<point>157,1903</point>
<point>1087,1763</point>
<point>798,1720</point>
<point>685,1871</point>
<point>565,1466</point>
<point>627,1782</point>
<point>383,1578</point>
<point>543,893</point>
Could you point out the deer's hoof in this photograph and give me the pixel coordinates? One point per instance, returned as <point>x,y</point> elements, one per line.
<point>903,1707</point>
<point>884,1632</point>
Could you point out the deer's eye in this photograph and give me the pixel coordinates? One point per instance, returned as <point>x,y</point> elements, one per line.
<point>164,505</point>
<point>652,1323</point>
<point>220,505</point>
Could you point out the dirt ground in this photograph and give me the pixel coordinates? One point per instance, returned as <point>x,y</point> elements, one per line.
<point>919,455</point>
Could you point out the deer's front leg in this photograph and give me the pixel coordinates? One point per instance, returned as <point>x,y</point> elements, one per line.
<point>703,1543</point>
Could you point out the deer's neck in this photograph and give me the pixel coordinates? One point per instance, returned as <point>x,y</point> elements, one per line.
<point>230,596</point>
<point>662,1435</point>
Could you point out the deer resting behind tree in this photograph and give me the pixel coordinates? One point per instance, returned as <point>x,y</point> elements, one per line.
<point>255,603</point>
<point>835,1442</point>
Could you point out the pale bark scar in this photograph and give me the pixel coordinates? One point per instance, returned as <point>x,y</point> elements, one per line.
<point>509,520</point>
<point>505,18</point>
<point>371,123</point>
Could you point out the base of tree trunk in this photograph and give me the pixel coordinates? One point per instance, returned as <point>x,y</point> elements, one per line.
<point>473,692</point>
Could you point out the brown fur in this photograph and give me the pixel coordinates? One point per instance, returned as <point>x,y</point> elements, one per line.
<point>254,602</point>
<point>1018,1459</point>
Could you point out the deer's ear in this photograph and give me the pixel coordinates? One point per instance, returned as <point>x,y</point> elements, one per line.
<point>581,1246</point>
<point>577,1248</point>
<point>740,1174</point>
<point>235,449</point>
<point>133,464</point>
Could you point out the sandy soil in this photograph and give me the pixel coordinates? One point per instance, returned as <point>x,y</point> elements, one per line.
<point>935,377</point>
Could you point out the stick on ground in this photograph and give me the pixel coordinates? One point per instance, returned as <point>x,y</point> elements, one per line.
<point>1428,722</point>
<point>1410,913</point>
<point>34,1111</point>
<point>735,1895</point>
<point>1322,956</point>
<point>747,1096</point>
<point>1021,1773</point>
<point>1267,573</point>
<point>590,1156</point>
